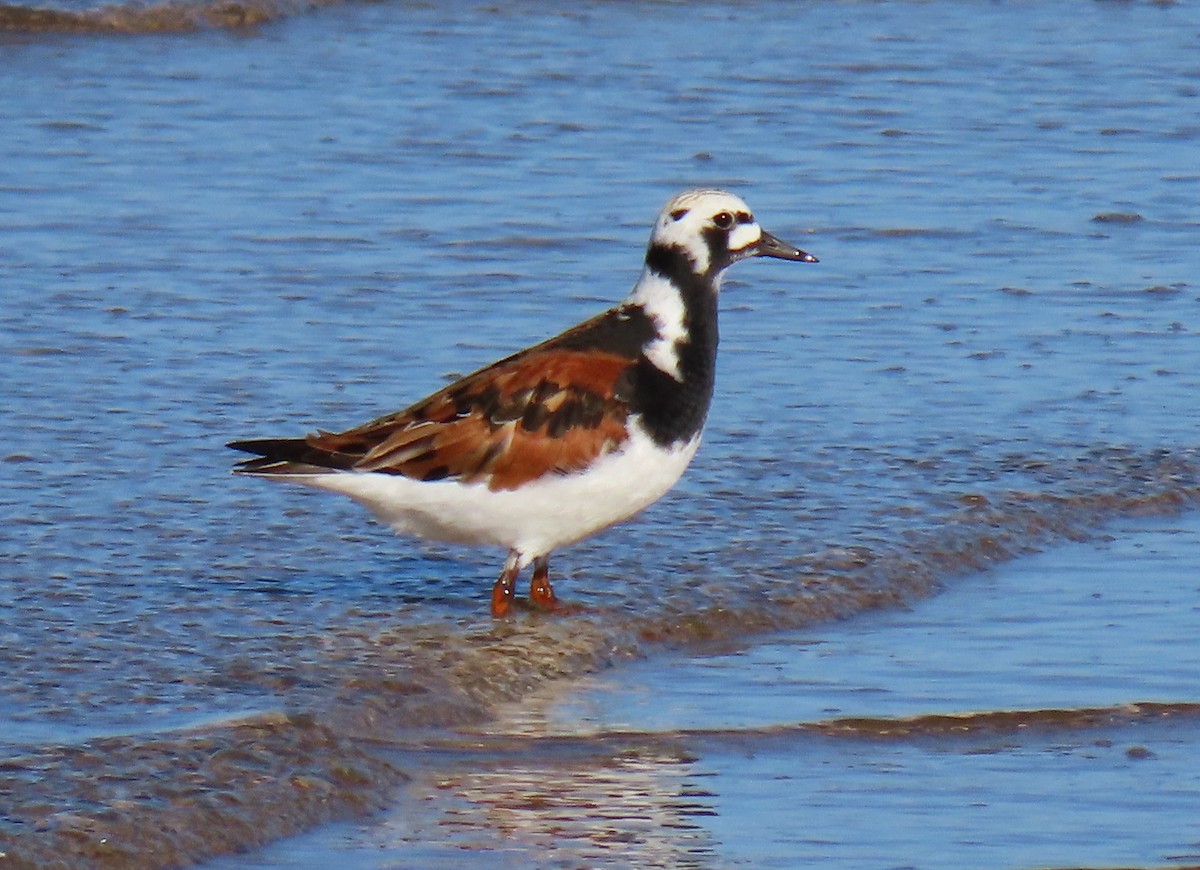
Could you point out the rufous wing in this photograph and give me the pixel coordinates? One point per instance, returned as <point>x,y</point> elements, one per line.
<point>543,412</point>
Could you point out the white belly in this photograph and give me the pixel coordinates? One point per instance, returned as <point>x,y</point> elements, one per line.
<point>533,520</point>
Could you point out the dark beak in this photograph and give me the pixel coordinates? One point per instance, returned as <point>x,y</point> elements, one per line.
<point>769,246</point>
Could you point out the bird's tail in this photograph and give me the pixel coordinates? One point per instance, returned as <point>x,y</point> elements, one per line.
<point>286,456</point>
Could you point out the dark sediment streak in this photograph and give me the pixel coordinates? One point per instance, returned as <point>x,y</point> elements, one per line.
<point>168,17</point>
<point>937,727</point>
<point>1002,722</point>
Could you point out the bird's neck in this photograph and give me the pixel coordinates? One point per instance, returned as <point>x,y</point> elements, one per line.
<point>677,368</point>
<point>683,308</point>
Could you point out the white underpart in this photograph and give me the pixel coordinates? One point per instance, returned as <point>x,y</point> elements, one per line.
<point>661,300</point>
<point>540,516</point>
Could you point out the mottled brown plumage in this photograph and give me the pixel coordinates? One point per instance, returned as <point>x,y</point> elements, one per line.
<point>550,411</point>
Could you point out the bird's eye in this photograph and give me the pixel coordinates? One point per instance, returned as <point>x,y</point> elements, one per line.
<point>723,219</point>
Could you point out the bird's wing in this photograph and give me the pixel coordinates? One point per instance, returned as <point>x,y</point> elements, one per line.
<point>548,410</point>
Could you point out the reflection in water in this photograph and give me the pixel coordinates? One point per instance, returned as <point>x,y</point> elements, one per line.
<point>643,807</point>
<point>860,792</point>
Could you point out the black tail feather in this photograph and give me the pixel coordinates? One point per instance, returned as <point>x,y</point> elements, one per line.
<point>287,456</point>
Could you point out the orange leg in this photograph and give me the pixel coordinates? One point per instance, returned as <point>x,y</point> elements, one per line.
<point>541,593</point>
<point>505,589</point>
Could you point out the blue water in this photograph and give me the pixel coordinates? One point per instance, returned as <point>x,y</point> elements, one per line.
<point>1084,625</point>
<point>234,233</point>
<point>705,760</point>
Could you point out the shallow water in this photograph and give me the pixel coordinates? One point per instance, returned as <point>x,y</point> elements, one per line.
<point>236,233</point>
<point>1029,716</point>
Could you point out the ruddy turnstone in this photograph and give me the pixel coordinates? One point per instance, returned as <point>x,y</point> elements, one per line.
<point>563,439</point>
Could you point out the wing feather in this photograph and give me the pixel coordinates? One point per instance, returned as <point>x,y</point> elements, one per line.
<point>547,411</point>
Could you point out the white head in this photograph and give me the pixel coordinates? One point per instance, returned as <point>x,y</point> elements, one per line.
<point>697,236</point>
<point>716,229</point>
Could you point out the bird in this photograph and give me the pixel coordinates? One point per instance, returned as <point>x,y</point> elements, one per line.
<point>560,440</point>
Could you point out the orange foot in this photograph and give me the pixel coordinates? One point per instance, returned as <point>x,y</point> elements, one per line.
<point>504,589</point>
<point>541,593</point>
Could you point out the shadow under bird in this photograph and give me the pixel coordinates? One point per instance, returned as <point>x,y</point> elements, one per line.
<point>562,439</point>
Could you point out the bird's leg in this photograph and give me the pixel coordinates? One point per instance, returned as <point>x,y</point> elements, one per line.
<point>541,593</point>
<point>505,587</point>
